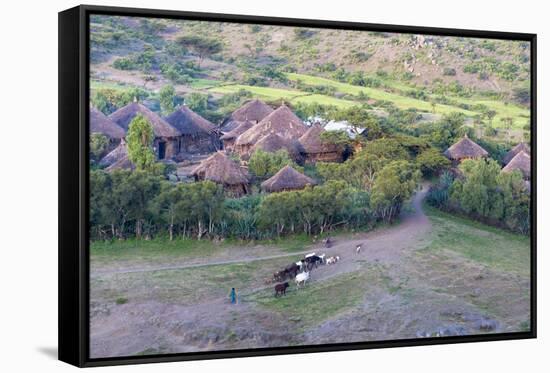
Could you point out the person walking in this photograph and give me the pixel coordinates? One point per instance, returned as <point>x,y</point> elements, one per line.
<point>233,296</point>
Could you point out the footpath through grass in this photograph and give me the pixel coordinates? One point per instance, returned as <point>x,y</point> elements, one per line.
<point>491,246</point>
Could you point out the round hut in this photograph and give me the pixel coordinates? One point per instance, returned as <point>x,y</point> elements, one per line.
<point>220,169</point>
<point>273,142</point>
<point>253,111</point>
<point>115,155</point>
<point>465,149</point>
<point>286,179</point>
<point>282,122</point>
<point>522,163</point>
<point>100,123</point>
<point>521,147</point>
<point>229,138</point>
<point>198,135</point>
<point>314,149</point>
<point>123,163</point>
<point>166,136</point>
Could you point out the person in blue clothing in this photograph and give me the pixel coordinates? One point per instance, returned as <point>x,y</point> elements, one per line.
<point>233,296</point>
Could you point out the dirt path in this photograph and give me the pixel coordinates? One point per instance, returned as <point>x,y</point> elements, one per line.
<point>383,244</point>
<point>127,329</point>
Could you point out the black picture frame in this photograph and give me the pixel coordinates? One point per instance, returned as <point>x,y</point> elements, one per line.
<point>74,170</point>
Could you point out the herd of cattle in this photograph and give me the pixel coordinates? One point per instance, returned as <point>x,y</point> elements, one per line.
<point>300,271</point>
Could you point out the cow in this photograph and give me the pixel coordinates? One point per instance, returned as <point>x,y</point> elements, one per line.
<point>280,289</point>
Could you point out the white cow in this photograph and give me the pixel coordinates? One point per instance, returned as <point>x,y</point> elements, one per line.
<point>301,278</point>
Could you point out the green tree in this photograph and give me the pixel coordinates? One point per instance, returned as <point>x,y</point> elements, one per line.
<point>140,143</point>
<point>431,162</point>
<point>167,95</point>
<point>201,46</point>
<point>394,184</point>
<point>98,145</point>
<point>197,102</point>
<point>264,164</point>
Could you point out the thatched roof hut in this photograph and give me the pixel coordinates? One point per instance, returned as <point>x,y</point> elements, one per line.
<point>188,122</point>
<point>521,162</point>
<point>273,142</point>
<point>118,153</point>
<point>220,169</point>
<point>287,179</point>
<point>229,138</point>
<point>198,135</point>
<point>124,116</point>
<point>282,122</point>
<point>521,147</point>
<point>100,123</point>
<point>122,164</point>
<point>315,150</point>
<point>465,149</point>
<point>253,111</point>
<point>166,136</point>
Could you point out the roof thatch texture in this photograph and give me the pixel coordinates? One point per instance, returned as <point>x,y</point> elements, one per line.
<point>311,142</point>
<point>464,149</point>
<point>220,169</point>
<point>122,164</point>
<point>286,179</point>
<point>118,153</point>
<point>241,128</point>
<point>521,162</point>
<point>515,150</point>
<point>124,116</point>
<point>188,122</point>
<point>253,111</point>
<point>100,123</point>
<point>282,122</point>
<point>273,142</point>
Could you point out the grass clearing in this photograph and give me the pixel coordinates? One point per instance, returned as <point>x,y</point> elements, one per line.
<point>402,102</point>
<point>186,286</point>
<point>325,299</point>
<point>491,246</point>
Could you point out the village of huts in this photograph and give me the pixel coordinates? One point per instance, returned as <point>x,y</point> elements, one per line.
<point>201,150</point>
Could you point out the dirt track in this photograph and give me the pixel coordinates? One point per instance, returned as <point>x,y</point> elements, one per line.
<point>407,296</point>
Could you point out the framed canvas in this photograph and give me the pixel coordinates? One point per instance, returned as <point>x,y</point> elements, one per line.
<point>235,186</point>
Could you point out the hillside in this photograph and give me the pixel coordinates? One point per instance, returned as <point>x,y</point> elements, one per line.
<point>434,75</point>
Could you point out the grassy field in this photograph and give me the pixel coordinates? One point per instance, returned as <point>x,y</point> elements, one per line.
<point>490,246</point>
<point>324,299</point>
<point>402,102</point>
<point>268,93</point>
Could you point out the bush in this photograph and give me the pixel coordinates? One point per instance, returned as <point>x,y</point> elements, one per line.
<point>449,71</point>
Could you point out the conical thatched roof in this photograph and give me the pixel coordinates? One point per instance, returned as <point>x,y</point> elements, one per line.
<point>220,169</point>
<point>282,122</point>
<point>273,142</point>
<point>253,111</point>
<point>124,116</point>
<point>521,162</point>
<point>122,164</point>
<point>241,128</point>
<point>464,149</point>
<point>118,153</point>
<point>312,143</point>
<point>100,123</point>
<point>188,122</point>
<point>287,179</point>
<point>515,150</point>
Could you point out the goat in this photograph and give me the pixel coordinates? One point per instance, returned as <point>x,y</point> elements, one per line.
<point>301,278</point>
